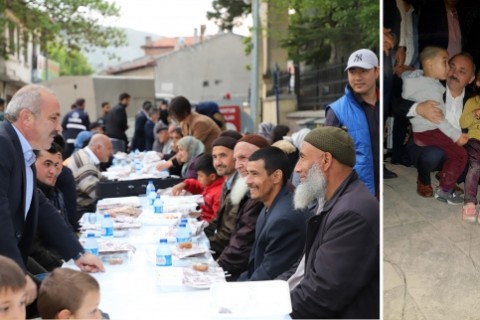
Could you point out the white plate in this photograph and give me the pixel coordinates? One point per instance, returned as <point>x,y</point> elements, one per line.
<point>202,280</point>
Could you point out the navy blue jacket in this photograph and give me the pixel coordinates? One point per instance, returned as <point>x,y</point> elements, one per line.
<point>138,140</point>
<point>73,123</point>
<point>279,239</point>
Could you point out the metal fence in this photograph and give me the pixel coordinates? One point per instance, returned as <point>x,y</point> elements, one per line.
<point>314,87</point>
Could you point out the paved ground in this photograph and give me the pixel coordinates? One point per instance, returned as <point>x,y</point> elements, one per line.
<point>431,257</point>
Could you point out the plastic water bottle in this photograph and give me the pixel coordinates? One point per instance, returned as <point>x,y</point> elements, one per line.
<point>151,198</point>
<point>187,225</point>
<point>164,254</point>
<point>114,162</point>
<point>150,187</point>
<point>138,166</point>
<point>107,226</point>
<point>183,236</point>
<point>91,244</point>
<point>158,205</point>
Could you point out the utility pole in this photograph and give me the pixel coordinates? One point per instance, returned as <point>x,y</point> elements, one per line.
<point>255,67</point>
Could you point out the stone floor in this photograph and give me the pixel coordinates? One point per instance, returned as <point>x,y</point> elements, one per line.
<point>431,258</point>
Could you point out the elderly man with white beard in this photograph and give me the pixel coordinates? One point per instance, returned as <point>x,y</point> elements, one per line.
<point>234,257</point>
<point>341,263</point>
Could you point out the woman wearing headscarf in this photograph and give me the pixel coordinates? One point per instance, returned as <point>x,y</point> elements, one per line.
<point>189,150</point>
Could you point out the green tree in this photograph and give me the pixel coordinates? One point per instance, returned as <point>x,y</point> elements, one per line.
<point>325,30</point>
<point>228,14</point>
<point>319,30</point>
<point>75,24</point>
<point>72,63</point>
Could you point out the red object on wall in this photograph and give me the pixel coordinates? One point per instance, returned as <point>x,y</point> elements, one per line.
<point>232,116</point>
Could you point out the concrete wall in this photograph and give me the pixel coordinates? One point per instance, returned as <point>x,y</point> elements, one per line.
<point>206,70</point>
<point>69,88</point>
<point>97,89</point>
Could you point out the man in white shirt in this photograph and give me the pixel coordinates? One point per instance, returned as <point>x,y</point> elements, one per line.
<point>429,159</point>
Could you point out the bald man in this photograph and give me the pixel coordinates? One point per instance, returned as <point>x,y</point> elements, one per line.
<point>32,120</point>
<point>85,167</point>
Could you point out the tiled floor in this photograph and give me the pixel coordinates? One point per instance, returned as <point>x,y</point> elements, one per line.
<point>431,257</point>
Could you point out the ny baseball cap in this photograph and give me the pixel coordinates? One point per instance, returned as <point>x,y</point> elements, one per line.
<point>362,58</point>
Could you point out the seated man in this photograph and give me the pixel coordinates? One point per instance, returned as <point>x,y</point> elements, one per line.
<point>234,257</point>
<point>428,159</point>
<point>84,165</point>
<point>49,165</point>
<point>163,143</point>
<point>339,276</point>
<point>280,229</point>
<point>220,229</point>
<point>82,139</point>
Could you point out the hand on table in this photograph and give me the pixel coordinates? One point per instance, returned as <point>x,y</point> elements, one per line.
<point>178,188</point>
<point>89,263</point>
<point>164,165</point>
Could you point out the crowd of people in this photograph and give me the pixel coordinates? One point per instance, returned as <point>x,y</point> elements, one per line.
<point>299,206</point>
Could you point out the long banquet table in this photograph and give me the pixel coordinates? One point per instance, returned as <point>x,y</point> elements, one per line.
<point>132,290</point>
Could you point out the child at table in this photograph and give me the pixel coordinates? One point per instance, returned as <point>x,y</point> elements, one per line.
<point>12,290</point>
<point>208,183</point>
<point>69,294</point>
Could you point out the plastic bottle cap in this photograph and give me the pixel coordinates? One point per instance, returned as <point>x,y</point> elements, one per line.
<point>182,225</point>
<point>91,235</point>
<point>163,240</point>
<point>106,215</point>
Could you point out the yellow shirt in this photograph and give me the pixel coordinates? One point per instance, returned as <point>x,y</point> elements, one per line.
<point>468,121</point>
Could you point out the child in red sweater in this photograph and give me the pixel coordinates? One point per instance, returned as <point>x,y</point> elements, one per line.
<point>208,183</point>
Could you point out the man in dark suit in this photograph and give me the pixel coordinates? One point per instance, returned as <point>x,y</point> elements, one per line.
<point>280,230</point>
<point>117,120</point>
<point>139,134</point>
<point>33,117</point>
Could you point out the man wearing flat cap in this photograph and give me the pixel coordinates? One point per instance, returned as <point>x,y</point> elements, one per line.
<point>339,275</point>
<point>221,227</point>
<point>358,111</point>
<point>234,257</point>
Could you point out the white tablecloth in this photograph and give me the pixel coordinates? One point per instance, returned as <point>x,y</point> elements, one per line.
<point>132,290</point>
